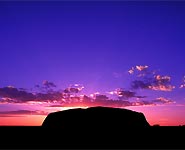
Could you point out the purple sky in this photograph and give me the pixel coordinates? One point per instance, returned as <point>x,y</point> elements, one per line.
<point>94,44</point>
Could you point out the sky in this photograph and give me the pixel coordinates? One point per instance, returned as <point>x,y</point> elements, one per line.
<point>121,54</point>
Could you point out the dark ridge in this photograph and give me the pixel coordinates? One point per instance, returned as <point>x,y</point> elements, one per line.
<point>96,118</point>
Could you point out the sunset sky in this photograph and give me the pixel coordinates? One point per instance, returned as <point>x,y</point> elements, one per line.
<point>128,52</point>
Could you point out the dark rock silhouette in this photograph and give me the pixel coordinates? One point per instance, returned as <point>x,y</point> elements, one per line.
<point>105,118</point>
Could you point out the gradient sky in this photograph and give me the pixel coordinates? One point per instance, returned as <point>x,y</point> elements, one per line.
<point>94,44</point>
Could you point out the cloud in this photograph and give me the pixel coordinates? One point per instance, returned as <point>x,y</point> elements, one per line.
<point>45,87</point>
<point>76,88</point>
<point>93,95</point>
<point>161,83</point>
<point>55,96</point>
<point>72,97</point>
<point>72,91</point>
<point>21,112</point>
<point>11,93</point>
<point>101,97</point>
<point>103,100</point>
<point>97,100</point>
<point>19,95</point>
<point>158,83</point>
<point>149,79</point>
<point>162,87</point>
<point>141,68</point>
<point>182,86</point>
<point>14,95</point>
<point>48,84</point>
<point>43,93</point>
<point>163,100</point>
<point>122,93</point>
<point>183,83</point>
<point>138,68</point>
<point>131,71</point>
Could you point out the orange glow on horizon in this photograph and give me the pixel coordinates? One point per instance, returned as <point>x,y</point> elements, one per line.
<point>171,115</point>
<point>164,115</point>
<point>26,120</point>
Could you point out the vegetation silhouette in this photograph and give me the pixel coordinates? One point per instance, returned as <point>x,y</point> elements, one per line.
<point>99,118</point>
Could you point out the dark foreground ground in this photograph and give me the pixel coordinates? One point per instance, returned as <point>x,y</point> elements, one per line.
<point>96,127</point>
<point>132,138</point>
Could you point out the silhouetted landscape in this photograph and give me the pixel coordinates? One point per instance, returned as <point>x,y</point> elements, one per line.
<point>98,118</point>
<point>93,127</point>
<point>92,74</point>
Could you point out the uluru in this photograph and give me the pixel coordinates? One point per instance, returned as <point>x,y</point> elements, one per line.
<point>95,118</point>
